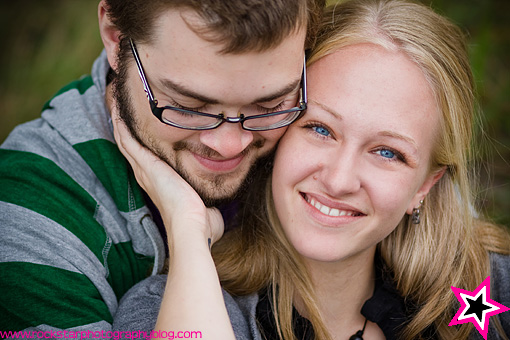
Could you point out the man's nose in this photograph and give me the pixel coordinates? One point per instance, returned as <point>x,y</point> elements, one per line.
<point>229,139</point>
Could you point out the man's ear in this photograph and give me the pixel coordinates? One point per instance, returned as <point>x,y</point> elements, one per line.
<point>109,34</point>
<point>429,182</point>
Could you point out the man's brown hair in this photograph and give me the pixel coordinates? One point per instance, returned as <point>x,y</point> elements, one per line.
<point>238,25</point>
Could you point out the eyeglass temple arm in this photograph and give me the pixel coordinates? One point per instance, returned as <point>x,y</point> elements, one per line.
<point>305,99</point>
<point>146,86</point>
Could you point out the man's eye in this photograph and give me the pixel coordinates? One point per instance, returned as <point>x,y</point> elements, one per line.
<point>198,108</point>
<point>276,108</point>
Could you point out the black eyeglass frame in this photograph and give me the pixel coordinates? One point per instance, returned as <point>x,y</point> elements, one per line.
<point>158,111</point>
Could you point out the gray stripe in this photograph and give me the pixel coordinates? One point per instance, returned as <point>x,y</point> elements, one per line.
<point>80,118</point>
<point>96,326</point>
<point>100,69</point>
<point>46,142</point>
<point>33,238</point>
<point>157,243</point>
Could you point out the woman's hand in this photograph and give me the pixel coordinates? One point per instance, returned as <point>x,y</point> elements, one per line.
<point>192,298</point>
<point>180,206</point>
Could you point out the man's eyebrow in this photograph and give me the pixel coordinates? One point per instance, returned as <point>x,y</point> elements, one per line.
<point>172,86</point>
<point>282,92</point>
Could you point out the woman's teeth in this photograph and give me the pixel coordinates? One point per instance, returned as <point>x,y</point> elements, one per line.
<point>330,211</point>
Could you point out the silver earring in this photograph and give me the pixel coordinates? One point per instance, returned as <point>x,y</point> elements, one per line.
<point>415,216</point>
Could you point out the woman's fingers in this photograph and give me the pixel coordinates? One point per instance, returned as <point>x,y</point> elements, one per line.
<point>167,189</point>
<point>152,173</point>
<point>216,224</point>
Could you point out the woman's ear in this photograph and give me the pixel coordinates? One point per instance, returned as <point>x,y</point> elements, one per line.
<point>429,182</point>
<point>109,34</point>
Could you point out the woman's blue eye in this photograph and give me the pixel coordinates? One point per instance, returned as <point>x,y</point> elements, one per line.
<point>321,130</point>
<point>387,153</point>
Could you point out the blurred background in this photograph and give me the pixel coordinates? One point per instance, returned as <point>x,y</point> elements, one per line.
<point>47,44</point>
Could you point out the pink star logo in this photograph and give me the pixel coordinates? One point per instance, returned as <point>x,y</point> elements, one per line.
<point>477,307</point>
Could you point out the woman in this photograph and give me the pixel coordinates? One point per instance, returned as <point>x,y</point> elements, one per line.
<point>367,221</point>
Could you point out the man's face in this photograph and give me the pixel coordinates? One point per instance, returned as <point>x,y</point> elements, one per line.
<point>187,71</point>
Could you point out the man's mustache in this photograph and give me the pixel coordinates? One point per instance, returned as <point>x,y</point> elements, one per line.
<point>207,152</point>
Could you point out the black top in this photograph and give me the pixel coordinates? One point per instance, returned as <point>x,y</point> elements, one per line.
<point>386,308</point>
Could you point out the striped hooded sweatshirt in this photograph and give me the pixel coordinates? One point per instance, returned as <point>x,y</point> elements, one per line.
<point>75,233</point>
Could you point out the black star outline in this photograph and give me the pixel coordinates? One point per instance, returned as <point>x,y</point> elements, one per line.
<point>477,307</point>
<point>479,304</point>
<point>476,303</point>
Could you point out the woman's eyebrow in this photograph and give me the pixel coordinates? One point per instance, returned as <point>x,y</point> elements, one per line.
<point>402,137</point>
<point>328,109</point>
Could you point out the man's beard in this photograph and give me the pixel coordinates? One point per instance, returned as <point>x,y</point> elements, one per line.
<point>212,189</point>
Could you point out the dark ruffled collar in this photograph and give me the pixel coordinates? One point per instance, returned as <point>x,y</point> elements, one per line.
<point>386,308</point>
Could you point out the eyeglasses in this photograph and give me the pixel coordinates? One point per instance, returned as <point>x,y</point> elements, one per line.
<point>194,120</point>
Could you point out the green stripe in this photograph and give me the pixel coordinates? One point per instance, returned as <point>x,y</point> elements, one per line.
<point>38,184</point>
<point>110,166</point>
<point>127,268</point>
<point>82,85</point>
<point>35,294</point>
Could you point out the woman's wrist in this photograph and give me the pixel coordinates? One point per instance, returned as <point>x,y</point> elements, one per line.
<point>188,239</point>
<point>200,229</point>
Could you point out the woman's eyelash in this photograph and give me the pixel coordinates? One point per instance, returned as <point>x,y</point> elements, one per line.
<point>386,151</point>
<point>319,129</point>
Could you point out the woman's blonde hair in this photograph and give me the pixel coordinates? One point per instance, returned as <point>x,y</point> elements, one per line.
<point>449,247</point>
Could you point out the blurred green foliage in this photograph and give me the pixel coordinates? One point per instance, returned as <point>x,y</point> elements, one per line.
<point>47,44</point>
<point>487,25</point>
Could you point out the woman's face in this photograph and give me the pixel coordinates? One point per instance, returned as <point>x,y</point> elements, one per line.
<point>347,172</point>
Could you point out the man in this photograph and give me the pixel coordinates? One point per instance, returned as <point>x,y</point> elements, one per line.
<point>187,77</point>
